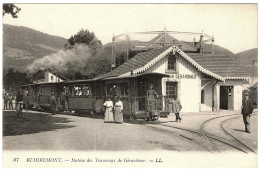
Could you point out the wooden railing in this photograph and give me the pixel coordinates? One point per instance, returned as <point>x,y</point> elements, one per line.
<point>140,103</point>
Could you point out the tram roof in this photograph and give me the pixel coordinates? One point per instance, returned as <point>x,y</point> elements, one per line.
<point>43,83</point>
<point>138,75</point>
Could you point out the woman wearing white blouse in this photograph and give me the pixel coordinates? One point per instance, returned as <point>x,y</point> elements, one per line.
<point>108,113</point>
<point>118,107</point>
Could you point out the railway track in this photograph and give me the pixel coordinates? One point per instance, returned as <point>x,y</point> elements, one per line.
<point>181,135</point>
<point>212,138</point>
<point>222,127</point>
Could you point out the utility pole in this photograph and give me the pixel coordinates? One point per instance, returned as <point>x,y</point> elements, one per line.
<point>127,46</point>
<point>165,32</point>
<point>113,60</point>
<point>213,44</point>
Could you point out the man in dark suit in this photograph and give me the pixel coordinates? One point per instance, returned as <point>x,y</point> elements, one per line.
<point>247,109</point>
<point>53,103</point>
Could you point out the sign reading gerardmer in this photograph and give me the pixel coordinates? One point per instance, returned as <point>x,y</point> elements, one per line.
<point>182,76</point>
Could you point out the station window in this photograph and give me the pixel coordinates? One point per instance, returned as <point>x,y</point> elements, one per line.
<point>172,62</point>
<point>202,96</point>
<point>171,89</point>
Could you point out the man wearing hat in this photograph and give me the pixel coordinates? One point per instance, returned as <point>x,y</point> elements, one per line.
<point>247,109</point>
<point>53,103</point>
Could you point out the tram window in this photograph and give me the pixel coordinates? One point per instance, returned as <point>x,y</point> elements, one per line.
<point>171,89</point>
<point>171,62</point>
<point>81,90</point>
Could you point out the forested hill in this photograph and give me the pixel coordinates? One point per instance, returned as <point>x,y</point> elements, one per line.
<point>248,59</point>
<point>22,45</point>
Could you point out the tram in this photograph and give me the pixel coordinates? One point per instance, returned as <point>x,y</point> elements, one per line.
<point>88,96</point>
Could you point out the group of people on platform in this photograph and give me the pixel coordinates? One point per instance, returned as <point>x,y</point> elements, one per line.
<point>113,110</point>
<point>11,101</point>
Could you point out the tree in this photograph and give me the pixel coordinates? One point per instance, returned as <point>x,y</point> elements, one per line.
<point>14,79</point>
<point>252,92</point>
<point>11,9</point>
<point>83,36</point>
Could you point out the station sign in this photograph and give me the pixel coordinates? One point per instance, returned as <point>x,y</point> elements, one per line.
<point>182,76</point>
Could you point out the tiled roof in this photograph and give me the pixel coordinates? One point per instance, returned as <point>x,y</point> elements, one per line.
<point>222,65</point>
<point>134,63</point>
<point>218,66</point>
<point>169,40</point>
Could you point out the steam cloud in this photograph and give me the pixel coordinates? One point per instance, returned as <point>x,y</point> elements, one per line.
<point>71,60</point>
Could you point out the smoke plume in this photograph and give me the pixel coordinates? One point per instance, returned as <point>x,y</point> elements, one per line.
<point>80,59</point>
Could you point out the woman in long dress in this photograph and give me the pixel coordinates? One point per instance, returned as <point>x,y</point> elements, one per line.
<point>118,107</point>
<point>109,112</point>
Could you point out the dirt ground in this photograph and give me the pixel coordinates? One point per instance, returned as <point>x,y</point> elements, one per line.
<point>43,131</point>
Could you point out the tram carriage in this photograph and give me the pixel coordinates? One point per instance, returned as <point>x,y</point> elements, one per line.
<point>83,97</point>
<point>39,94</point>
<point>88,96</point>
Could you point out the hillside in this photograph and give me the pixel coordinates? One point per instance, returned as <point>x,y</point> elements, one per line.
<point>246,59</point>
<point>22,45</point>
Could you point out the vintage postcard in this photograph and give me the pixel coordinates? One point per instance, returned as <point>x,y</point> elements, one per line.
<point>129,85</point>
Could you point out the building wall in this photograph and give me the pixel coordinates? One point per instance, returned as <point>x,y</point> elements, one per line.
<point>207,106</point>
<point>48,78</point>
<point>188,88</point>
<point>238,88</point>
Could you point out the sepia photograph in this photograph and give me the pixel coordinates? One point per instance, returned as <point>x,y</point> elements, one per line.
<point>129,85</point>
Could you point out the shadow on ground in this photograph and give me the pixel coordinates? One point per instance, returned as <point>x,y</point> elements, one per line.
<point>143,122</point>
<point>31,123</point>
<point>93,116</point>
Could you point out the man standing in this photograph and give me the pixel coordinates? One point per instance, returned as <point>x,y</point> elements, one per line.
<point>176,108</point>
<point>53,103</point>
<point>247,109</point>
<point>10,101</point>
<point>19,102</point>
<point>5,101</point>
<point>151,101</point>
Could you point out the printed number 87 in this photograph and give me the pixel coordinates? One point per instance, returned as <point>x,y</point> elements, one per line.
<point>16,160</point>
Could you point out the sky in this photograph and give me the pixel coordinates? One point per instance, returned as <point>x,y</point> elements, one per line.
<point>234,26</point>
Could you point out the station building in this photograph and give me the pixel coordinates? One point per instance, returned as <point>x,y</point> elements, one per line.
<point>202,82</point>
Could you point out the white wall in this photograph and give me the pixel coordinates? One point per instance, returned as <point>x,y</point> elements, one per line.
<point>238,89</point>
<point>188,89</point>
<point>48,77</point>
<point>237,97</point>
<point>207,106</point>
